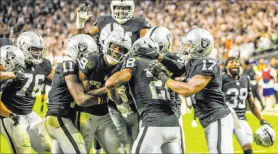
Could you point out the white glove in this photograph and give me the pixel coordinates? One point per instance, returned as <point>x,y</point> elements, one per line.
<point>82,16</point>
<point>125,109</point>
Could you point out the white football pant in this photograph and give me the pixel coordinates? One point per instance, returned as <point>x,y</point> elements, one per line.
<point>65,136</point>
<point>33,124</point>
<point>151,139</point>
<point>99,127</point>
<point>16,136</point>
<point>219,135</point>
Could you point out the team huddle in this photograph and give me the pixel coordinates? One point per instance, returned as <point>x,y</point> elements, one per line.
<point>120,87</point>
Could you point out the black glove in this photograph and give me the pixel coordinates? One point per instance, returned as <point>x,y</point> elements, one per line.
<point>148,53</point>
<point>15,118</point>
<point>19,75</point>
<point>158,72</point>
<point>263,122</point>
<point>172,55</point>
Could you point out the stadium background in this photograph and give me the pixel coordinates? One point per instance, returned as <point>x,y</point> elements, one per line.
<point>248,29</point>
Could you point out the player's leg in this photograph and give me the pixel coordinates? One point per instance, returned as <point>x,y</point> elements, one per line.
<point>40,140</point>
<point>245,137</point>
<point>175,144</point>
<point>16,136</point>
<point>219,135</point>
<point>133,126</point>
<point>183,145</point>
<point>68,137</point>
<point>106,135</point>
<point>87,124</point>
<point>97,147</point>
<point>149,140</point>
<point>121,127</point>
<point>56,149</point>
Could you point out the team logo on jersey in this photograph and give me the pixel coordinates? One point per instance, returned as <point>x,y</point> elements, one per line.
<point>205,43</point>
<point>82,46</point>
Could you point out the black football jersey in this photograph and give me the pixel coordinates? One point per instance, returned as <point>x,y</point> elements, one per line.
<point>61,102</point>
<point>5,41</point>
<point>20,96</point>
<point>97,72</point>
<point>236,92</point>
<point>132,26</point>
<point>210,103</point>
<point>152,99</point>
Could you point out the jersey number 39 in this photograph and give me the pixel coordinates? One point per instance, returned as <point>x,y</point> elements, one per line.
<point>238,97</point>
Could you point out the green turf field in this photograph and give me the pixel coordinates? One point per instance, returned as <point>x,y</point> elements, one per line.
<point>195,139</point>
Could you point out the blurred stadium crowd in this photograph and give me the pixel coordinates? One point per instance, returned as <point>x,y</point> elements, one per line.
<point>240,27</point>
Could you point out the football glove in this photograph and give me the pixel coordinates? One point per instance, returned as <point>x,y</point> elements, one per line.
<point>19,75</point>
<point>82,16</point>
<point>263,122</point>
<point>125,109</point>
<point>15,118</point>
<point>158,72</point>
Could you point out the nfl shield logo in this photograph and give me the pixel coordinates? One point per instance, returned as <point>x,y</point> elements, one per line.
<point>205,43</point>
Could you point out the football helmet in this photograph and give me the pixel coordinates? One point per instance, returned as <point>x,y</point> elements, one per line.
<point>265,136</point>
<point>12,58</point>
<point>107,30</point>
<point>163,37</point>
<point>81,45</point>
<point>146,47</point>
<point>32,45</point>
<point>116,46</point>
<point>197,43</point>
<point>122,10</point>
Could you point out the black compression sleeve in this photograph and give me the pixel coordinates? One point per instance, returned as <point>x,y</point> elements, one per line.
<point>173,66</point>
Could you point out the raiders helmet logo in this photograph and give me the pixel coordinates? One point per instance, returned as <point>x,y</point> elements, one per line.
<point>10,56</point>
<point>205,43</point>
<point>82,46</point>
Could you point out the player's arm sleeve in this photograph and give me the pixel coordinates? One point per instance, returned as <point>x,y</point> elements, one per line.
<point>69,67</point>
<point>173,66</point>
<point>49,72</point>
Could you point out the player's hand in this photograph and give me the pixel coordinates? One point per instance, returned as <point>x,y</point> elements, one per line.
<point>146,52</point>
<point>158,72</point>
<point>263,122</point>
<point>82,16</point>
<point>125,109</point>
<point>15,118</point>
<point>19,75</point>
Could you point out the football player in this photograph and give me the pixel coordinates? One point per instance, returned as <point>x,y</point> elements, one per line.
<point>12,60</point>
<point>164,38</point>
<point>204,83</point>
<point>20,95</point>
<point>66,90</point>
<point>159,122</point>
<point>237,89</point>
<point>95,69</point>
<point>122,15</point>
